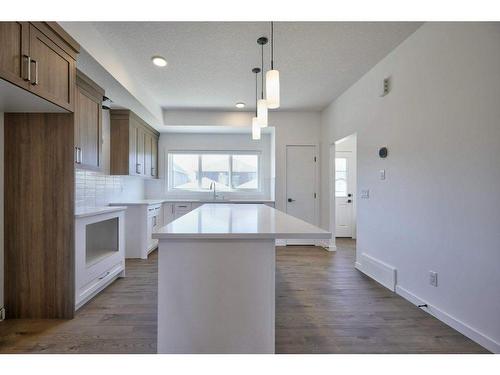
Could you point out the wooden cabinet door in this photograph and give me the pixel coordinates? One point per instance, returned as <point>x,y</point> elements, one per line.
<point>53,71</point>
<point>14,50</point>
<point>147,154</point>
<point>88,117</point>
<point>136,149</point>
<point>140,151</point>
<point>133,166</point>
<point>154,157</point>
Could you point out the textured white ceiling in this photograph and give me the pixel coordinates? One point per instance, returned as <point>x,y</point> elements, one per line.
<point>209,63</point>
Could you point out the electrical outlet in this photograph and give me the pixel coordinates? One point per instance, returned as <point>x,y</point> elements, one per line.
<point>365,194</point>
<point>433,278</point>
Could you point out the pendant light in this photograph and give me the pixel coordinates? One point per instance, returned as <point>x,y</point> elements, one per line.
<point>255,122</point>
<point>273,79</point>
<point>262,117</point>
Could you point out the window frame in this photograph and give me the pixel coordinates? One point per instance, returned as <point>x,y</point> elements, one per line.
<point>199,153</point>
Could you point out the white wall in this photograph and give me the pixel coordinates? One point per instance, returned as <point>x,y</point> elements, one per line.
<point>170,142</point>
<point>1,209</point>
<point>439,207</point>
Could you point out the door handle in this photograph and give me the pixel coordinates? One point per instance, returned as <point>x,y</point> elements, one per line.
<point>349,195</point>
<point>349,201</point>
<point>291,200</point>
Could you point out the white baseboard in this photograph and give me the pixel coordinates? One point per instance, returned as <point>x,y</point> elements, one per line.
<point>280,242</point>
<point>453,322</point>
<point>381,272</point>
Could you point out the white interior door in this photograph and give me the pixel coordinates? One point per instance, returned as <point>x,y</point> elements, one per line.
<point>344,194</point>
<point>301,182</point>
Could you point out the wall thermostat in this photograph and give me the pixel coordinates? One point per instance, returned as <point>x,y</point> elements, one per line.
<point>382,152</point>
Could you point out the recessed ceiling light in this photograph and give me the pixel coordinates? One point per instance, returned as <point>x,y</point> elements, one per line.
<point>159,61</point>
<point>240,105</point>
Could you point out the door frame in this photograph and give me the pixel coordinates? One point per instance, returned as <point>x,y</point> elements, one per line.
<point>316,189</point>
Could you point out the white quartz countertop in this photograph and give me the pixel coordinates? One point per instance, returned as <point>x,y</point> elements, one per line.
<point>92,211</point>
<point>239,221</point>
<point>178,200</point>
<point>138,202</point>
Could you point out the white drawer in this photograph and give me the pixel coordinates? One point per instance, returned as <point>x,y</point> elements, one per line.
<point>182,206</point>
<point>96,283</point>
<point>154,210</point>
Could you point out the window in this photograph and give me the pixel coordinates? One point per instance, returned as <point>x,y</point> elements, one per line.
<point>245,172</point>
<point>340,177</point>
<point>228,171</point>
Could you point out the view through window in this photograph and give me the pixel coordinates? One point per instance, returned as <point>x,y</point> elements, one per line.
<point>193,171</point>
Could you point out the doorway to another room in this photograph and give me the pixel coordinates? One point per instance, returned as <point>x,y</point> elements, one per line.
<point>345,187</point>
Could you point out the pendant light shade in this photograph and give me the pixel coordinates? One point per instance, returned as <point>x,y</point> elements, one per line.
<point>262,104</point>
<point>255,129</point>
<point>272,79</point>
<point>273,89</point>
<point>262,113</point>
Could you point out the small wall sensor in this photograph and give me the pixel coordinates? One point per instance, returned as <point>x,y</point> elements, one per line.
<point>386,86</point>
<point>383,152</point>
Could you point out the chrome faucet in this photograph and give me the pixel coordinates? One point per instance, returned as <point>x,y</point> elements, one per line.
<point>212,184</point>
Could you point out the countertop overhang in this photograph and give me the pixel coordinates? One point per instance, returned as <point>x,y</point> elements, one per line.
<point>239,221</point>
<point>92,211</point>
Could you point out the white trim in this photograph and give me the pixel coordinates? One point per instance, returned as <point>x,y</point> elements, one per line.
<point>331,191</point>
<point>316,177</point>
<point>453,322</point>
<point>379,271</point>
<point>280,242</point>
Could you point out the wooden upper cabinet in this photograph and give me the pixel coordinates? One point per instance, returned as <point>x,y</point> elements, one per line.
<point>40,57</point>
<point>14,50</point>
<point>154,157</point>
<point>88,123</point>
<point>134,144</point>
<point>148,152</point>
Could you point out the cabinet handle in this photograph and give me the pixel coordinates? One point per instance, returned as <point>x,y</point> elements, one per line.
<point>81,155</point>
<point>27,68</point>
<point>137,166</point>
<point>103,276</point>
<point>34,83</point>
<point>76,155</point>
<point>152,171</point>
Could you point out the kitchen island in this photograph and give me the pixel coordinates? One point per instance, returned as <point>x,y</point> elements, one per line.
<point>216,277</point>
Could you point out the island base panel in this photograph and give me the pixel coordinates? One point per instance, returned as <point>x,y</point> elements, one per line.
<point>216,296</point>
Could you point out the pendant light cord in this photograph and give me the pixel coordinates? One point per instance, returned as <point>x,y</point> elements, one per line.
<point>272,45</point>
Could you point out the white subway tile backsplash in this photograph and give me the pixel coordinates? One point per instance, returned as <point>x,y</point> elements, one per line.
<point>94,189</point>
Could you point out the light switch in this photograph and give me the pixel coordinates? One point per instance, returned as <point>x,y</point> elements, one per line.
<point>382,174</point>
<point>365,194</point>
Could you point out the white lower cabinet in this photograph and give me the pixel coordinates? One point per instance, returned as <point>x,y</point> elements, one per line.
<point>141,221</point>
<point>99,253</point>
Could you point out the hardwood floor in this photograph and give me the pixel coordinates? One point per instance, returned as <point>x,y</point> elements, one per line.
<point>323,305</point>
